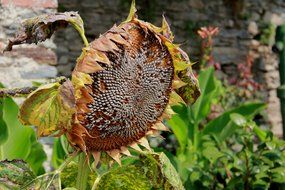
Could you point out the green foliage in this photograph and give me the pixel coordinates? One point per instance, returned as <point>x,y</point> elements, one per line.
<point>59,151</point>
<point>20,140</point>
<point>3,126</point>
<point>267,32</point>
<point>14,174</point>
<point>69,174</point>
<point>221,153</point>
<point>150,171</point>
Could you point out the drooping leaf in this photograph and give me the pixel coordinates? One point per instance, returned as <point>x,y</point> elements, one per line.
<point>151,171</point>
<point>236,121</point>
<point>14,174</point>
<point>42,27</point>
<point>247,110</point>
<point>49,108</point>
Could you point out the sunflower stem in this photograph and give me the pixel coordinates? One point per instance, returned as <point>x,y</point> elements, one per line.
<point>83,172</point>
<point>82,34</point>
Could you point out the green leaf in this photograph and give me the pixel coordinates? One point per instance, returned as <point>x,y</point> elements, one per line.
<point>278,174</point>
<point>238,119</point>
<point>247,110</point>
<point>212,153</point>
<point>18,145</point>
<point>37,156</point>
<point>209,90</point>
<point>180,130</point>
<point>49,108</point>
<point>58,152</point>
<point>3,126</point>
<point>151,171</point>
<point>21,143</point>
<point>14,174</point>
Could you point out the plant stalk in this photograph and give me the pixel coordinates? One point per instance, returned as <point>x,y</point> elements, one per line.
<point>20,92</point>
<point>83,172</point>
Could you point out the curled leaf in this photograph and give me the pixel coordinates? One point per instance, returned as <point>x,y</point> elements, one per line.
<point>42,27</point>
<point>166,29</point>
<point>191,91</point>
<point>50,108</point>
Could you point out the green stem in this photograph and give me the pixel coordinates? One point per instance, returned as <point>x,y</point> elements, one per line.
<point>53,173</point>
<point>96,182</point>
<point>81,32</point>
<point>83,172</point>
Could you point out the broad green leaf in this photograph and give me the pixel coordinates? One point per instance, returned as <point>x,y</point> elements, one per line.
<point>58,152</point>
<point>209,90</point>
<point>151,171</point>
<point>3,126</point>
<point>18,145</point>
<point>247,110</point>
<point>22,142</point>
<point>14,174</point>
<point>49,108</point>
<point>238,119</point>
<point>180,130</point>
<point>37,156</point>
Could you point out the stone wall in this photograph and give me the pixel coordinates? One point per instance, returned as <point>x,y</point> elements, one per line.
<point>26,63</point>
<point>246,29</point>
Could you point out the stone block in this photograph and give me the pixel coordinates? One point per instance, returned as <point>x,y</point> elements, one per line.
<point>30,3</point>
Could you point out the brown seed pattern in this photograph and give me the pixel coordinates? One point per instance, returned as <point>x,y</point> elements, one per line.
<point>130,94</point>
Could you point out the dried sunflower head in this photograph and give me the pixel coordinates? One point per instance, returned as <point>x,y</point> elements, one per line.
<point>125,83</point>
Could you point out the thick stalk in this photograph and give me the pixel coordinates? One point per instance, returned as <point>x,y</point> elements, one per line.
<point>83,172</point>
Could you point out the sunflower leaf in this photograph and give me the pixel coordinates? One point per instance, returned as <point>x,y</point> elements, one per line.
<point>49,108</point>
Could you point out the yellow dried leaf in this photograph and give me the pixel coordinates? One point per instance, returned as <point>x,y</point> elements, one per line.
<point>166,29</point>
<point>49,108</point>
